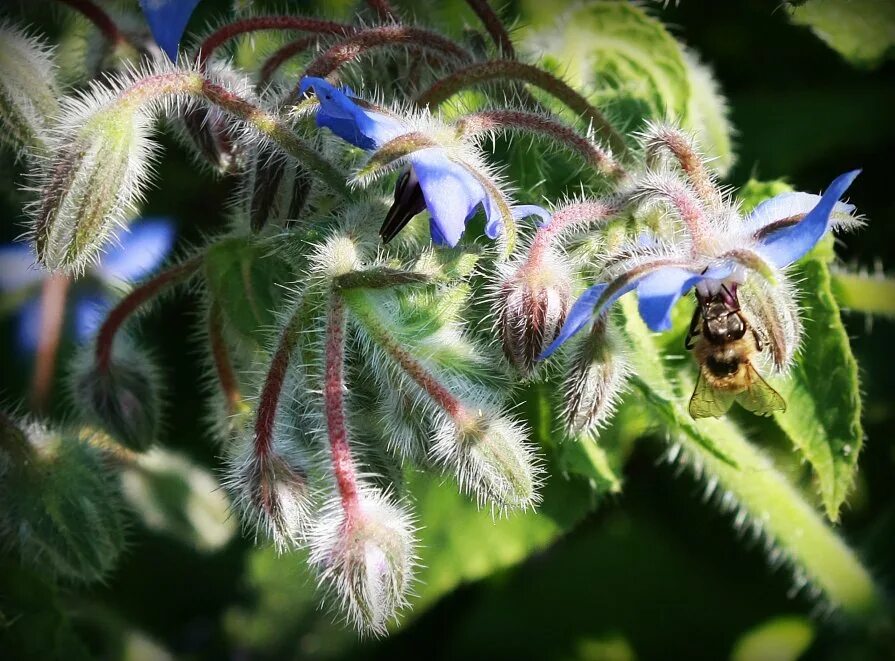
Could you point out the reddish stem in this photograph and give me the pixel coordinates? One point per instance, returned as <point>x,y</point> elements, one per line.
<point>383,9</point>
<point>378,37</point>
<point>148,290</point>
<point>576,215</point>
<point>52,316</point>
<point>483,72</point>
<point>494,26</point>
<point>220,354</point>
<point>273,388</point>
<point>334,406</point>
<point>99,18</point>
<point>232,30</point>
<point>283,54</point>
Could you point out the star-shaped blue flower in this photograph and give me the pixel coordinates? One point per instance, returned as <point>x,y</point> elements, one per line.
<point>778,232</point>
<point>167,20</point>
<point>434,181</point>
<point>141,250</point>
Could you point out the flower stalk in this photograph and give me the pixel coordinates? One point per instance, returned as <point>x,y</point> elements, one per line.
<point>52,316</point>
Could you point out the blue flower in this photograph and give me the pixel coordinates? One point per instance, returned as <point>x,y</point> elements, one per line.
<point>435,179</point>
<point>167,20</point>
<point>141,250</point>
<point>777,233</point>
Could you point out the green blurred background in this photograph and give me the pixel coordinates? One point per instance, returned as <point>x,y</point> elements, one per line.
<point>654,573</point>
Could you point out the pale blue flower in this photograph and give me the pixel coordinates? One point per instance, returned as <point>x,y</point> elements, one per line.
<point>434,180</point>
<point>141,250</point>
<point>777,233</point>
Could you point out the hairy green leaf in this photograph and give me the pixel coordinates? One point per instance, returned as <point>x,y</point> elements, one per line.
<point>862,31</point>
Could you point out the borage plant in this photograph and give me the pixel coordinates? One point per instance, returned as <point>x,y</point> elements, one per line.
<point>394,293</point>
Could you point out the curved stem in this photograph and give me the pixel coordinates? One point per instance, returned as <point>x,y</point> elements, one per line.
<point>489,121</point>
<point>52,316</point>
<point>867,293</point>
<point>220,355</point>
<point>244,26</point>
<point>681,146</point>
<point>334,407</point>
<point>97,15</point>
<point>146,291</point>
<point>283,54</point>
<point>483,72</point>
<point>494,26</point>
<point>577,215</point>
<point>379,37</point>
<point>383,9</point>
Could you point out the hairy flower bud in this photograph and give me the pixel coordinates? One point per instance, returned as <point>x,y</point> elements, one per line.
<point>277,188</point>
<point>774,313</point>
<point>28,94</point>
<point>490,457</point>
<point>598,373</point>
<point>91,181</point>
<point>271,491</point>
<point>60,509</point>
<point>533,302</point>
<point>365,558</point>
<point>122,397</point>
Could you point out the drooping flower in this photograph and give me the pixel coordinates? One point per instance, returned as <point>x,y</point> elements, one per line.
<point>723,252</point>
<point>168,19</point>
<point>443,173</point>
<point>140,251</point>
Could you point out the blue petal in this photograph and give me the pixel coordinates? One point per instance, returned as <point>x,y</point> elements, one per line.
<point>28,325</point>
<point>522,211</point>
<point>167,20</point>
<point>786,245</point>
<point>89,314</point>
<point>493,218</point>
<point>579,316</point>
<point>787,205</point>
<point>659,291</point>
<point>17,267</point>
<point>350,121</point>
<point>451,194</point>
<point>141,250</point>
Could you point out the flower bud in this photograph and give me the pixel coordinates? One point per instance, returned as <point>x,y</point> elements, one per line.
<point>28,94</point>
<point>365,558</point>
<point>774,313</point>
<point>491,459</point>
<point>89,186</point>
<point>598,373</point>
<point>278,188</point>
<point>123,397</point>
<point>271,490</point>
<point>533,303</point>
<point>61,509</point>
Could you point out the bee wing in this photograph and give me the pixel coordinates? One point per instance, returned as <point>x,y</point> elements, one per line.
<point>759,397</point>
<point>709,402</point>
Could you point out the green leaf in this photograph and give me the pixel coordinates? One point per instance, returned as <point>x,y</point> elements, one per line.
<point>247,278</point>
<point>708,116</point>
<point>862,31</point>
<point>781,639</point>
<point>823,414</point>
<point>864,292</point>
<point>625,60</point>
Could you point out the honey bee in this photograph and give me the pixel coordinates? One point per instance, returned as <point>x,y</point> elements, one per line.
<point>723,342</point>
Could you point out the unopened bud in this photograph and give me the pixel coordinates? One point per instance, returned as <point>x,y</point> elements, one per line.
<point>61,510</point>
<point>365,558</point>
<point>533,302</point>
<point>122,397</point>
<point>491,459</point>
<point>278,188</point>
<point>90,185</point>
<point>773,311</point>
<point>28,94</point>
<point>272,492</point>
<point>598,373</point>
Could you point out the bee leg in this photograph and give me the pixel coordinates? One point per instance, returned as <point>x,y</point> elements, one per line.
<point>693,331</point>
<point>759,342</point>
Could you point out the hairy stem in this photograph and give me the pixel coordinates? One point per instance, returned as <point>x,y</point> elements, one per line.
<point>494,26</point>
<point>497,70</point>
<point>52,317</point>
<point>681,147</point>
<point>380,37</point>
<point>797,529</point>
<point>131,303</point>
<point>383,9</point>
<point>97,15</point>
<point>861,292</point>
<point>258,23</point>
<point>220,355</point>
<point>270,125</point>
<point>490,121</point>
<point>334,407</point>
<point>577,215</point>
<point>284,54</point>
